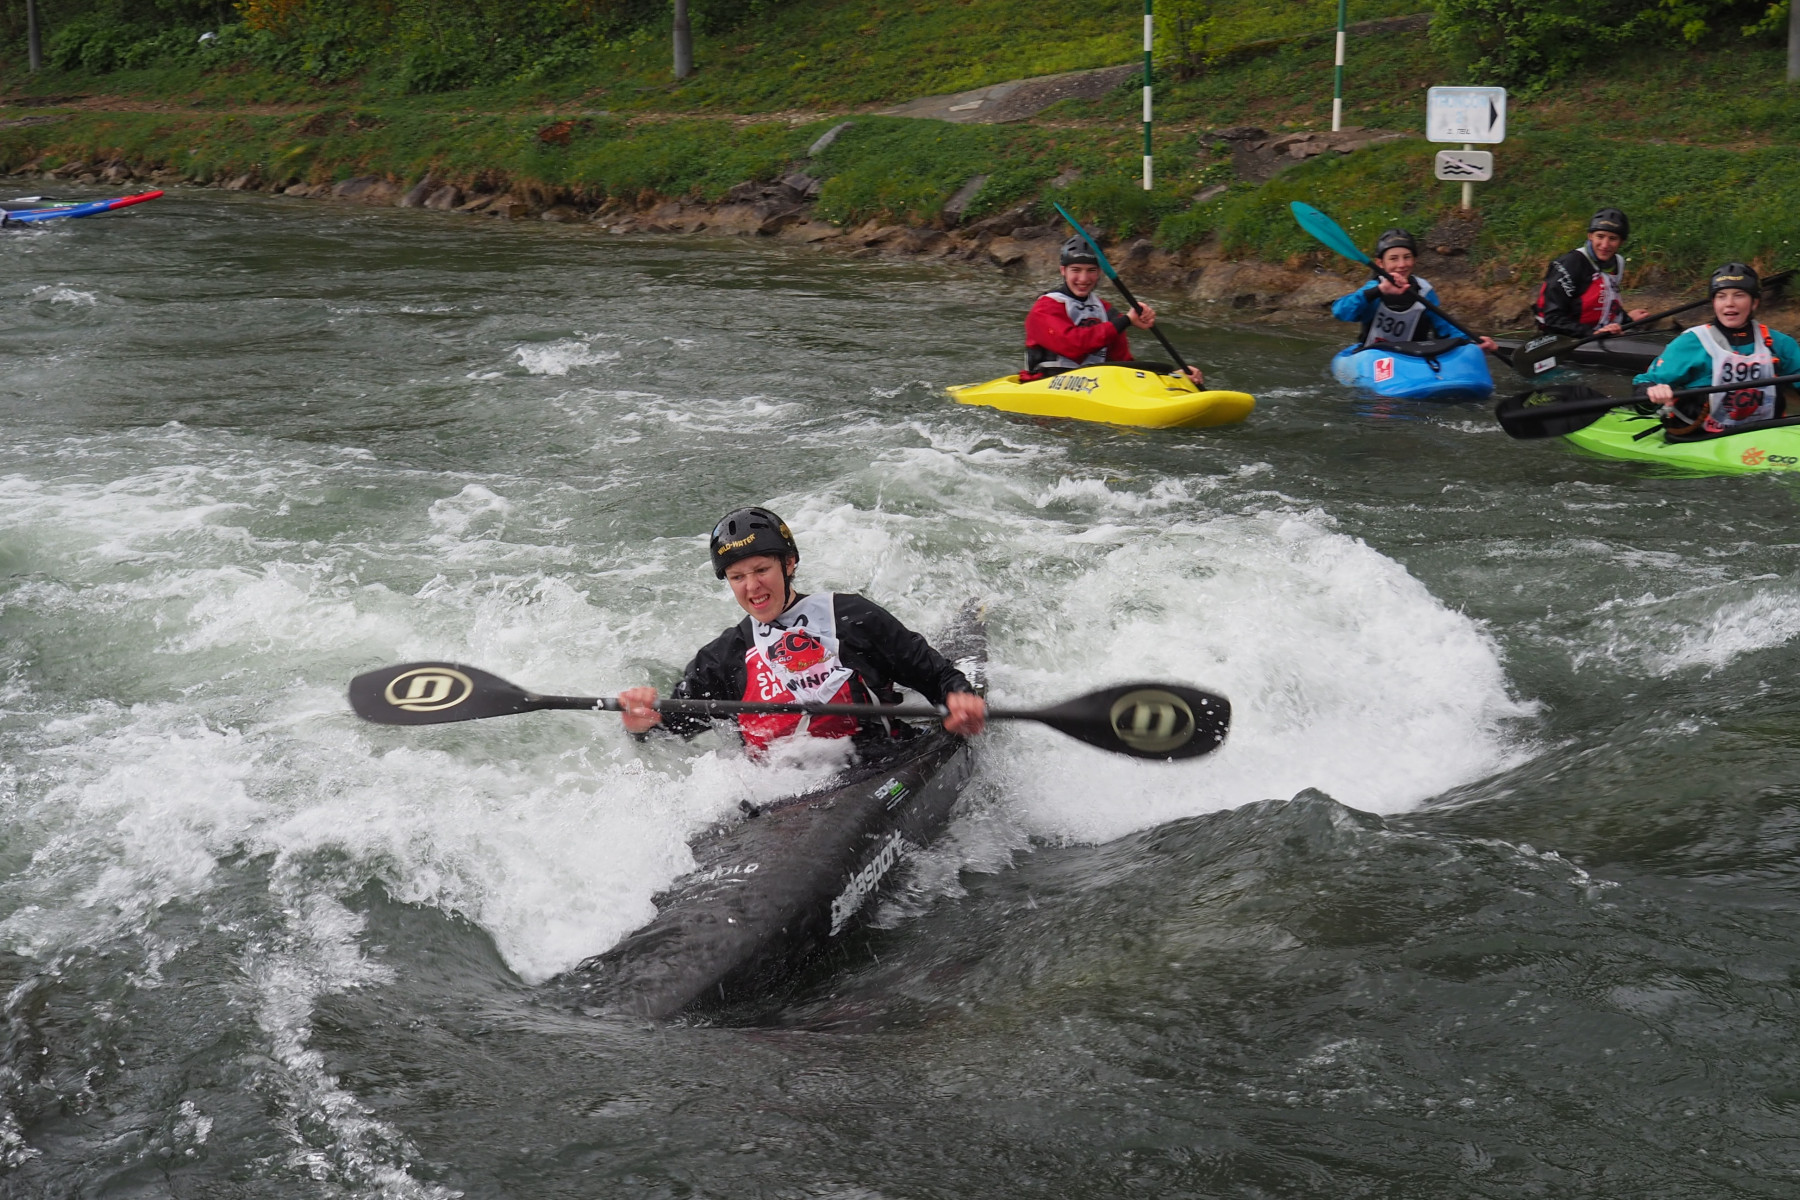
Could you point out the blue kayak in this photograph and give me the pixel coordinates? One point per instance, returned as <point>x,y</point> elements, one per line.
<point>52,212</point>
<point>1446,369</point>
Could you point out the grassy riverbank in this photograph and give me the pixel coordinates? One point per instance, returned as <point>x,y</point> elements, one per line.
<point>1703,148</point>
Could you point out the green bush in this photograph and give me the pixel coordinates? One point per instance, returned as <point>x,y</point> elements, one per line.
<point>1530,43</point>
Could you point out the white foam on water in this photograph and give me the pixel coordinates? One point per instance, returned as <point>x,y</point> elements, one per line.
<point>1706,627</point>
<point>63,294</point>
<point>552,832</point>
<point>562,356</point>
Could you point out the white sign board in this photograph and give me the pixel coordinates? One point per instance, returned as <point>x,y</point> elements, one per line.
<point>1474,115</point>
<point>1465,166</point>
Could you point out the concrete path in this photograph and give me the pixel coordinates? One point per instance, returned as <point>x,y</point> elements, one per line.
<point>1017,100</point>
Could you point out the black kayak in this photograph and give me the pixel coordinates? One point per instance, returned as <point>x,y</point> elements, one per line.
<point>1632,354</point>
<point>781,886</point>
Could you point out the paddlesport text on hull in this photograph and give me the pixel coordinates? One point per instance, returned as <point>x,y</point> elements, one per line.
<point>57,211</point>
<point>1112,394</point>
<point>1416,370</point>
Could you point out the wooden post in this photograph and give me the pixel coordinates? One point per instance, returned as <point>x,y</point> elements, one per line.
<point>684,42</point>
<point>34,38</point>
<point>1794,41</point>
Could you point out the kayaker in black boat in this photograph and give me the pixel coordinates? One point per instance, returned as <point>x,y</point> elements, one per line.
<point>1069,326</point>
<point>1733,348</point>
<point>1581,292</point>
<point>1391,311</point>
<point>829,647</point>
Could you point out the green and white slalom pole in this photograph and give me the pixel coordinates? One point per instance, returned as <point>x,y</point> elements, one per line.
<point>1149,44</point>
<point>1337,74</point>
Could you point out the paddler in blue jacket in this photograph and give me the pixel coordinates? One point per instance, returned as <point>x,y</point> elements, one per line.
<point>1732,348</point>
<point>1391,311</point>
<point>825,648</point>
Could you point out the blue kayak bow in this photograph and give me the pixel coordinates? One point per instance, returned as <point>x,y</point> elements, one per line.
<point>31,215</point>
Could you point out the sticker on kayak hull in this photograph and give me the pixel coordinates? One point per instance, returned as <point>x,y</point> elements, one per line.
<point>1384,370</point>
<point>864,882</point>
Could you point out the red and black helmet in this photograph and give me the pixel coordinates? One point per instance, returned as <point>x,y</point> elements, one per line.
<point>747,532</point>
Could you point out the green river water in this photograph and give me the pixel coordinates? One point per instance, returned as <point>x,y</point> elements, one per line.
<point>1492,891</point>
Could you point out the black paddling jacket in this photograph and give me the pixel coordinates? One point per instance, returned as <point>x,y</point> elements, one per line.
<point>871,641</point>
<point>1568,301</point>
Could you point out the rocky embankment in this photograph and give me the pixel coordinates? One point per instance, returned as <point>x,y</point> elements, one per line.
<point>1014,241</point>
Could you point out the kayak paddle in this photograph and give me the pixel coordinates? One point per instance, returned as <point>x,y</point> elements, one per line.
<point>1120,283</point>
<point>1144,720</point>
<point>1544,353</point>
<point>1559,408</point>
<point>1333,236</point>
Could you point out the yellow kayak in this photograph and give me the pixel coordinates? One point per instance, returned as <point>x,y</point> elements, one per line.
<point>1113,394</point>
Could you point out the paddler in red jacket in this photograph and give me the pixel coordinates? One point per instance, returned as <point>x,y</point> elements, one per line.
<point>1071,327</point>
<point>1581,292</point>
<point>826,648</point>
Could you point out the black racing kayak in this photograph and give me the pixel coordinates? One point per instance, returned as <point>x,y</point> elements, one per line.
<point>788,882</point>
<point>1632,353</point>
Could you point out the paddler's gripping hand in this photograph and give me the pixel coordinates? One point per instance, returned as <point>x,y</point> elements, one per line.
<point>636,704</point>
<point>1660,393</point>
<point>1194,374</point>
<point>1143,316</point>
<point>968,714</point>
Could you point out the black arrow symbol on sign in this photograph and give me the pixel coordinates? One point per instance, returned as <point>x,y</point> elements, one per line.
<point>1493,115</point>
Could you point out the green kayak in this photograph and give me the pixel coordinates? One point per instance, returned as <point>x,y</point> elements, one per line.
<point>1769,446</point>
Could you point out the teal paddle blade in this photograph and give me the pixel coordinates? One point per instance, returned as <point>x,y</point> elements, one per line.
<point>1327,231</point>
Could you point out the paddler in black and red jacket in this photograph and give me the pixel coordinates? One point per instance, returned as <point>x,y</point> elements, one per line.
<point>824,648</point>
<point>1580,295</point>
<point>1069,326</point>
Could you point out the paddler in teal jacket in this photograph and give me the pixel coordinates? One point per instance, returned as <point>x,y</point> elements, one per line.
<point>1391,311</point>
<point>1732,348</point>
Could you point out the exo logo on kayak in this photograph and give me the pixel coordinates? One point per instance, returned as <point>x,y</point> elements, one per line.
<point>1152,721</point>
<point>1073,383</point>
<point>429,689</point>
<point>1756,456</point>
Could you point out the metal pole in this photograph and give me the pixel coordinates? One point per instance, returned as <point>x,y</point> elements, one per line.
<point>33,39</point>
<point>1149,42</point>
<point>1468,189</point>
<point>1337,74</point>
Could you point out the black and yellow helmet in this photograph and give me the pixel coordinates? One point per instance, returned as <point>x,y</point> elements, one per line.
<point>1734,275</point>
<point>746,533</point>
<point>1611,220</point>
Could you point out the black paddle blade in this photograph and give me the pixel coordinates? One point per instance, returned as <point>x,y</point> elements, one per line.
<point>1541,354</point>
<point>1553,410</point>
<point>1145,720</point>
<point>434,693</point>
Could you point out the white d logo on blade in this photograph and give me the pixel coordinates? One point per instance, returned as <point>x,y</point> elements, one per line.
<point>428,689</point>
<point>1152,721</point>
